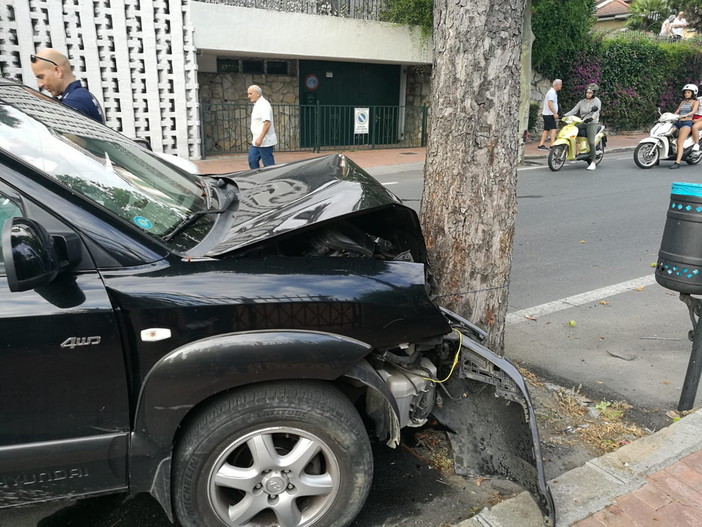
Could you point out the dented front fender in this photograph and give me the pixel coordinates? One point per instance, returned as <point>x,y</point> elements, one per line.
<point>492,419</point>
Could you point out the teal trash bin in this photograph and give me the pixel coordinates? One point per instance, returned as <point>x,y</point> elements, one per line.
<point>680,257</point>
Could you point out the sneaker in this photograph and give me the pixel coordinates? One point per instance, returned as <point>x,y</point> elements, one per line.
<point>592,166</point>
<point>695,147</point>
<point>674,166</point>
<point>543,147</point>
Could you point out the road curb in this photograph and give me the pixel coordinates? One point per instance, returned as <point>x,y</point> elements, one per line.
<point>585,490</point>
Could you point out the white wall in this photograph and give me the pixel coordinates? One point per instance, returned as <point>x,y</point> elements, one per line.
<point>144,75</point>
<point>244,31</point>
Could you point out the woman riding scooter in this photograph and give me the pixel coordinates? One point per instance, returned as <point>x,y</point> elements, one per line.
<point>588,109</point>
<point>686,109</point>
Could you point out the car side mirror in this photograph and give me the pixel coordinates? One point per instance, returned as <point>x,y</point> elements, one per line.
<point>31,259</point>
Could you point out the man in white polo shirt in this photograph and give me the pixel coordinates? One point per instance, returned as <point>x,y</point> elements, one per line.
<point>678,26</point>
<point>262,129</point>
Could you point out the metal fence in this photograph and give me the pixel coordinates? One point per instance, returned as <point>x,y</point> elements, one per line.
<point>359,9</point>
<point>225,127</point>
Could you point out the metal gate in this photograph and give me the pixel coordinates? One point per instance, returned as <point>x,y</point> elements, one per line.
<point>225,127</point>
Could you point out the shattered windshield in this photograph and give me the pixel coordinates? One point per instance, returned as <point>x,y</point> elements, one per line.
<point>102,165</point>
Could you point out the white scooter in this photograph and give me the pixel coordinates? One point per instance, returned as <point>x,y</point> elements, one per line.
<point>663,144</point>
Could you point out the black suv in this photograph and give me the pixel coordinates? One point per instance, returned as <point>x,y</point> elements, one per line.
<point>230,344</point>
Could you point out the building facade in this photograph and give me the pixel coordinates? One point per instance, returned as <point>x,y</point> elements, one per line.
<point>161,67</point>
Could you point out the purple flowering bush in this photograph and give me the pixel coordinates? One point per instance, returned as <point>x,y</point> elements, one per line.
<point>637,74</point>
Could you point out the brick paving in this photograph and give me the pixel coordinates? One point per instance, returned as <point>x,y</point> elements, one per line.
<point>222,164</point>
<point>365,158</point>
<point>671,497</point>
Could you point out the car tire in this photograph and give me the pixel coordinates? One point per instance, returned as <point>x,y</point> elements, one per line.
<point>289,454</point>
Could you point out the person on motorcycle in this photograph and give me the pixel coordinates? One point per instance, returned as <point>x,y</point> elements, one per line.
<point>588,109</point>
<point>686,110</point>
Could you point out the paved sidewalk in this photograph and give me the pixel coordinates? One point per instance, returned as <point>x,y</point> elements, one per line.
<point>653,481</point>
<point>222,164</point>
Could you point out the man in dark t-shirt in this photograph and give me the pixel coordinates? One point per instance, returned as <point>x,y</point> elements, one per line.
<point>54,74</point>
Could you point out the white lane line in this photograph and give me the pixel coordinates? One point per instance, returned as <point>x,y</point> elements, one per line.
<point>391,183</point>
<point>579,300</point>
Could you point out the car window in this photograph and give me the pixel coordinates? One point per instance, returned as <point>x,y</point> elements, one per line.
<point>101,165</point>
<point>9,208</point>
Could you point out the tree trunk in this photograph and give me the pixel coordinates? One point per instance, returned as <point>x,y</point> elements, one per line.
<point>470,175</point>
<point>525,77</point>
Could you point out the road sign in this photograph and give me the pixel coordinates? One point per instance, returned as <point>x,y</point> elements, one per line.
<point>361,118</point>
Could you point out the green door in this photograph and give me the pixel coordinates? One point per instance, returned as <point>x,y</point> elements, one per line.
<point>339,88</point>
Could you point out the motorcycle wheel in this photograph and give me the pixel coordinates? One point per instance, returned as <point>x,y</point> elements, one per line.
<point>599,153</point>
<point>694,157</point>
<point>646,155</point>
<point>557,157</point>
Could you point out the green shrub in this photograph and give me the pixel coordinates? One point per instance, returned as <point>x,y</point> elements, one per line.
<point>637,73</point>
<point>648,15</point>
<point>411,12</point>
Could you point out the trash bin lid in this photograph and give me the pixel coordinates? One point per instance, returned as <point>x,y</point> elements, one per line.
<point>687,189</point>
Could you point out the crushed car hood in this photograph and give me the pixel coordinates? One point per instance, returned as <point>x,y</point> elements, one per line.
<point>275,201</point>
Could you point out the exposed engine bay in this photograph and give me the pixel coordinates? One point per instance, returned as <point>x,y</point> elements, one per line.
<point>373,235</point>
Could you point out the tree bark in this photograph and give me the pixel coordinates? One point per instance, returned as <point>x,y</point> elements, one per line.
<point>470,176</point>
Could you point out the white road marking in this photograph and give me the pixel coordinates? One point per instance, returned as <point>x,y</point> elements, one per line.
<point>579,300</point>
<point>391,183</point>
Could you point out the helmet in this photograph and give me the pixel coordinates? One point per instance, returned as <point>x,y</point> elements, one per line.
<point>692,88</point>
<point>593,87</point>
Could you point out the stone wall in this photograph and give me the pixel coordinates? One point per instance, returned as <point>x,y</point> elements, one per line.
<point>418,97</point>
<point>227,111</point>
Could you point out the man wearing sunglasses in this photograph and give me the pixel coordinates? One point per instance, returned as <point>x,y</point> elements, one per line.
<point>54,74</point>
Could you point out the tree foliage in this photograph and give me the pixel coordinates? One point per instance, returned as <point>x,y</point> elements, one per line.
<point>411,12</point>
<point>562,32</point>
<point>692,10</point>
<point>648,15</point>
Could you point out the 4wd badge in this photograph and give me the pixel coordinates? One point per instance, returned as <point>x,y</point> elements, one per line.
<point>72,342</point>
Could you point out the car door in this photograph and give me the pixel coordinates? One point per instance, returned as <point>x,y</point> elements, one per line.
<point>64,411</point>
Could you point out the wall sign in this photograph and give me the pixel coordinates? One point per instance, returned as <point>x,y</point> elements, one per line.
<point>311,82</point>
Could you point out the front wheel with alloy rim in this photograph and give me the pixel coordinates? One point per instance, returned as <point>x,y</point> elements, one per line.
<point>646,155</point>
<point>284,454</point>
<point>557,157</point>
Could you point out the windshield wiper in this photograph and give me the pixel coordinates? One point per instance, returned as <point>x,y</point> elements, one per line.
<point>230,196</point>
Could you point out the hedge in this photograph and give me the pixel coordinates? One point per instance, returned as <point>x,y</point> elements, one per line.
<point>637,74</point>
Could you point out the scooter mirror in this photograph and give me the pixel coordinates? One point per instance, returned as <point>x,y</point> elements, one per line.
<point>595,108</point>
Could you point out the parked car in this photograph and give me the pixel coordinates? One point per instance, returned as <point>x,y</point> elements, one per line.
<point>230,344</point>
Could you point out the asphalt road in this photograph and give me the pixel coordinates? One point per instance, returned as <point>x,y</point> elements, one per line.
<point>582,239</point>
<point>577,231</point>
